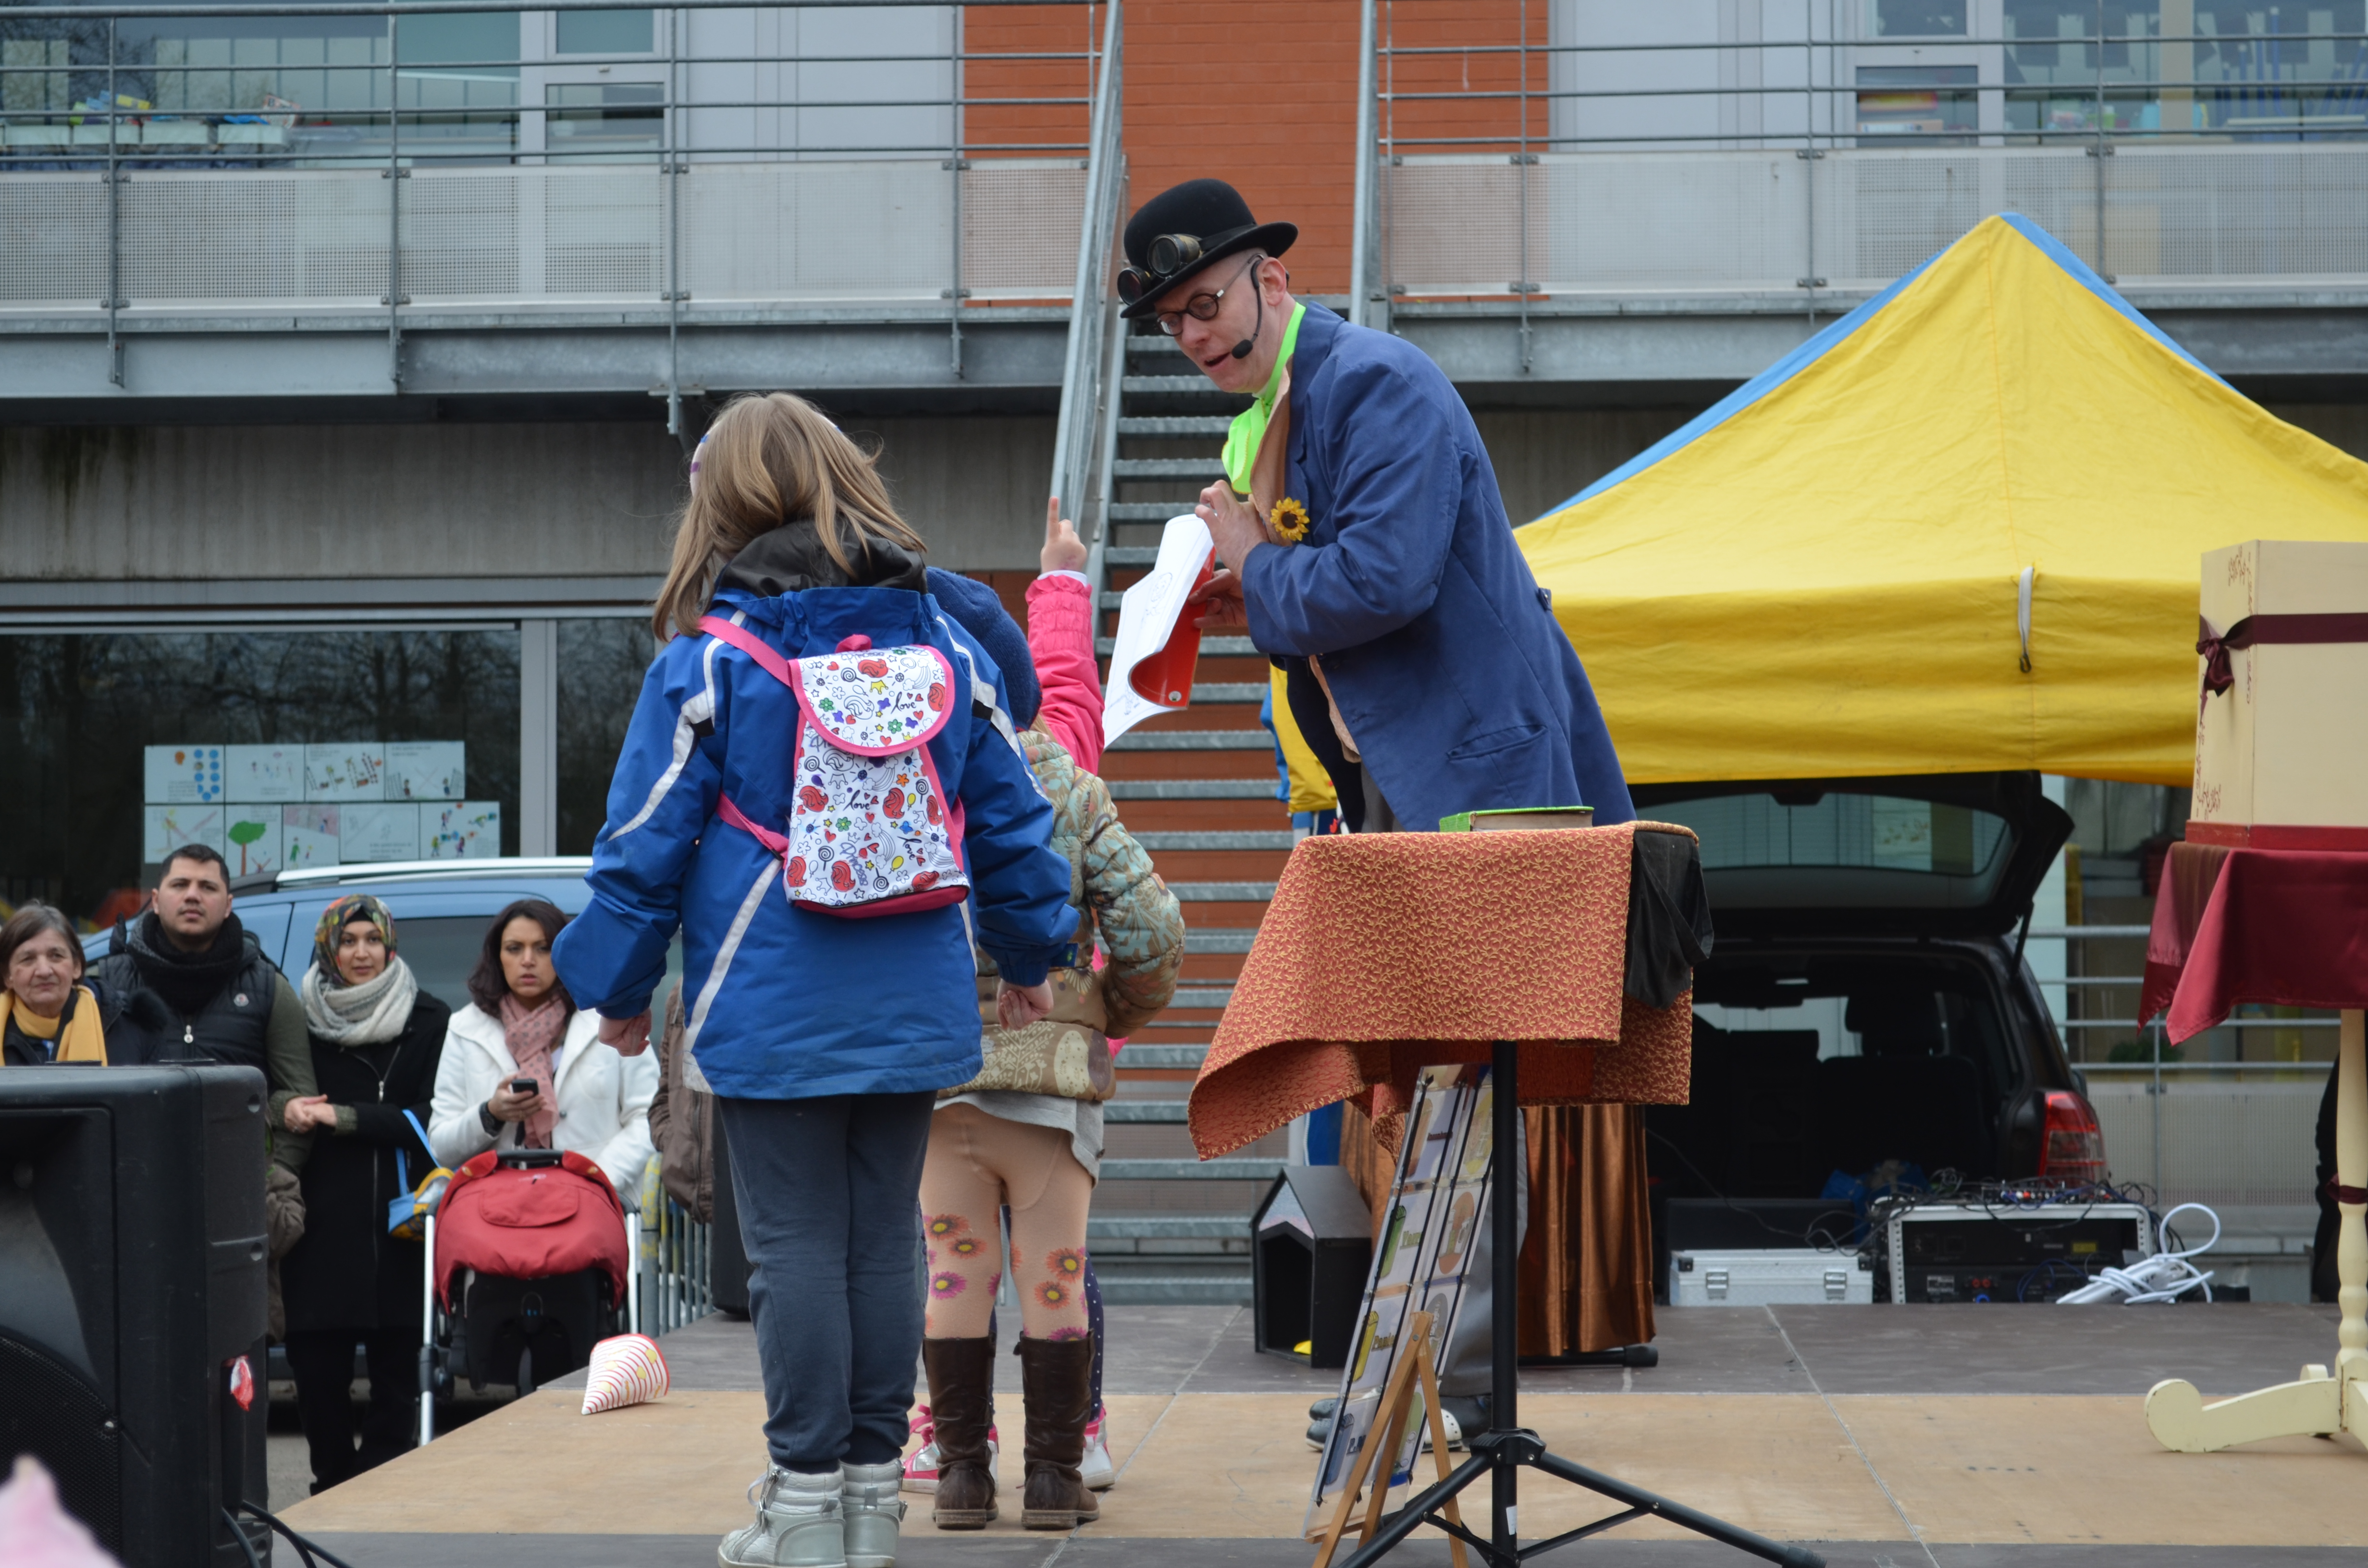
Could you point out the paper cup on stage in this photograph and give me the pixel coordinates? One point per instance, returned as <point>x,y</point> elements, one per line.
<point>628,1369</point>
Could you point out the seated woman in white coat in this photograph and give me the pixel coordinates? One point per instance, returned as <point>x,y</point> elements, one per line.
<point>523,1068</point>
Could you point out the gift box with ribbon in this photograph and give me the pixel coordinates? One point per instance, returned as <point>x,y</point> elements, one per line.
<point>2281,724</point>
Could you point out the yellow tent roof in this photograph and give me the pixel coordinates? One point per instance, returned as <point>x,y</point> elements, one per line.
<point>1821,577</point>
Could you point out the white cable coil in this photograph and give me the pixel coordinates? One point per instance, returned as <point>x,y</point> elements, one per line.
<point>2165,1276</point>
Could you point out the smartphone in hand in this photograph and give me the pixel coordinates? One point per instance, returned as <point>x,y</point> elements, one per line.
<point>524,1085</point>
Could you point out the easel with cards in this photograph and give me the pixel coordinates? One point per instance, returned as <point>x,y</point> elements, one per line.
<point>1397,1396</point>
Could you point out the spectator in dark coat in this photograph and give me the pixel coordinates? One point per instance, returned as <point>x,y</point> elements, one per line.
<point>188,964</point>
<point>377,1041</point>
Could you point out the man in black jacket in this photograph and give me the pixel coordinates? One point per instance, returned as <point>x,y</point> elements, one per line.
<point>187,962</point>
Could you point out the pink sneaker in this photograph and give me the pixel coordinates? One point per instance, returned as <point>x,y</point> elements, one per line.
<point>1094,1468</point>
<point>921,1464</point>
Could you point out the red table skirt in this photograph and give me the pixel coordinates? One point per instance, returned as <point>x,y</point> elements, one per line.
<point>2286,928</point>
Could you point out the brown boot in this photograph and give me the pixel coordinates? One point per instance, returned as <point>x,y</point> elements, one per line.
<point>962,1404</point>
<point>1056,1378</point>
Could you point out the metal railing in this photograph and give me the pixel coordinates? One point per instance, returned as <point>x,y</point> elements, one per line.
<point>671,1269</point>
<point>1782,167</point>
<point>687,178</point>
<point>1087,395</point>
<point>2219,1131</point>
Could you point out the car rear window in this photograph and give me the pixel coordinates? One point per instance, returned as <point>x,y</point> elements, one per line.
<point>1841,851</point>
<point>1884,832</point>
<point>441,950</point>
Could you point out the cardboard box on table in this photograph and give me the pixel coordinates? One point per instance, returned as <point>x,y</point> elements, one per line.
<point>2282,756</point>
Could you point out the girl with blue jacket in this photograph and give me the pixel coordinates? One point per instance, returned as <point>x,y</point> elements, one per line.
<point>825,1038</point>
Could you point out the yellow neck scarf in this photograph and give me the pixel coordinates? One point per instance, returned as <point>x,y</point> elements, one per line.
<point>83,1039</point>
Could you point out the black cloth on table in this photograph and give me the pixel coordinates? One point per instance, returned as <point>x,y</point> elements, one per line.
<point>1669,917</point>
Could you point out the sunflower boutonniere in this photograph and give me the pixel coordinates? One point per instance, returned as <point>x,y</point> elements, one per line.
<point>1290,521</point>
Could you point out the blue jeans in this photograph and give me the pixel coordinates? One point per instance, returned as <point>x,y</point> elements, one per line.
<point>830,1194</point>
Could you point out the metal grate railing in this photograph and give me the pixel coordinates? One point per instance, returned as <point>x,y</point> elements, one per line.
<point>161,159</point>
<point>1596,150</point>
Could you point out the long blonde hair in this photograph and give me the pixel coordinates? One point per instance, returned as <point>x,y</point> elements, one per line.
<point>771,458</point>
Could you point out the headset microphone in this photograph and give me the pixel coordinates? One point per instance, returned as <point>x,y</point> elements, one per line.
<point>1242,350</point>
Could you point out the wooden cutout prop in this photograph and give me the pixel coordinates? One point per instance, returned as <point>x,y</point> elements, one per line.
<point>2322,1402</point>
<point>1380,1454</point>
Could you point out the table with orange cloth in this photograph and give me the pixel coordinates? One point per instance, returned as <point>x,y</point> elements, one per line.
<point>1384,953</point>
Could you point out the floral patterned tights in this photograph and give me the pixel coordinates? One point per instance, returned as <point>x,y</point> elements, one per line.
<point>976,1164</point>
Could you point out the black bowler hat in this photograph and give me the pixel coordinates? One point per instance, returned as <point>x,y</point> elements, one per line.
<point>1184,229</point>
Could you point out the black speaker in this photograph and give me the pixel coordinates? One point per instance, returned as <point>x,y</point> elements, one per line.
<point>131,1302</point>
<point>1313,1246</point>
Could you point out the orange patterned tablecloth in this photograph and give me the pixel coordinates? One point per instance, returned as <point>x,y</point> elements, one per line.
<point>1385,953</point>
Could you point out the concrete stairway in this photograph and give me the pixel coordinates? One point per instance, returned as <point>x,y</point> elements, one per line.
<point>1197,789</point>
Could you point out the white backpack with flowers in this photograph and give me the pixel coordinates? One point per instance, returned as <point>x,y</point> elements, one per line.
<point>870,829</point>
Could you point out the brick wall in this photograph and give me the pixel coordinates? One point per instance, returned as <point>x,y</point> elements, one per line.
<point>1260,94</point>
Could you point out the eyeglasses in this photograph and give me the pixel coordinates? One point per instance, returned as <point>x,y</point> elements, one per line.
<point>1204,307</point>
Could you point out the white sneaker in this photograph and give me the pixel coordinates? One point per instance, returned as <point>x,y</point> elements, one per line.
<point>1098,1474</point>
<point>1454,1430</point>
<point>872,1512</point>
<point>798,1525</point>
<point>921,1465</point>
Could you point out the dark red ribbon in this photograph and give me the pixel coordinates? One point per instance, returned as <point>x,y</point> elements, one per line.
<point>2259,630</point>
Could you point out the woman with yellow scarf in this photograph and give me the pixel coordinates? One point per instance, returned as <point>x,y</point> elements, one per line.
<point>52,1014</point>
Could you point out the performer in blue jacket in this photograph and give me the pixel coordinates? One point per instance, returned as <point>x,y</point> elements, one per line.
<point>1373,560</point>
<point>823,1037</point>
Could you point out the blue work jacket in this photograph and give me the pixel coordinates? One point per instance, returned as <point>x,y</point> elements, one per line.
<point>1458,685</point>
<point>783,1003</point>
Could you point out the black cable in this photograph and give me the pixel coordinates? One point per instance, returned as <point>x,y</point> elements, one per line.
<point>243,1544</point>
<point>304,1549</point>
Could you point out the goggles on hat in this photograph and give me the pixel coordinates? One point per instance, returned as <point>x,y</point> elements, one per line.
<point>1169,255</point>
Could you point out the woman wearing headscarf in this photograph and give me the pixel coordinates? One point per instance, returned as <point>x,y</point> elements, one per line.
<point>523,1028</point>
<point>377,1040</point>
<point>49,1014</point>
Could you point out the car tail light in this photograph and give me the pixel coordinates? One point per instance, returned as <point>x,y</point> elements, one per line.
<point>2071,1148</point>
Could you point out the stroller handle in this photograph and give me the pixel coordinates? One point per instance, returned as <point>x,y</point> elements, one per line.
<point>529,1159</point>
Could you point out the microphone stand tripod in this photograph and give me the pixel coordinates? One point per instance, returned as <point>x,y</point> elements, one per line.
<point>1501,1452</point>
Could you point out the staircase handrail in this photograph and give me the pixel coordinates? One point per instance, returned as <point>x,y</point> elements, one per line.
<point>1081,393</point>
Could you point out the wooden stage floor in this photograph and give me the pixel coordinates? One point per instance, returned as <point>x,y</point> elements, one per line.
<point>1956,1436</point>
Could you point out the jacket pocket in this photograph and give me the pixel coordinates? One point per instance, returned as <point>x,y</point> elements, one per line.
<point>1494,741</point>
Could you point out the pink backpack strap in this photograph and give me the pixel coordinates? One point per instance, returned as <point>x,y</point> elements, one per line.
<point>779,843</point>
<point>748,643</point>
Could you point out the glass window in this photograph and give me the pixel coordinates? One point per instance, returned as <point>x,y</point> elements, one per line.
<point>1879,832</point>
<point>600,117</point>
<point>601,663</point>
<point>607,32</point>
<point>1928,103</point>
<point>276,748</point>
<point>2055,65</point>
<point>1919,18</point>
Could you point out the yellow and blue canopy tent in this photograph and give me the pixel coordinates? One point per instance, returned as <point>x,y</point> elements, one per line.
<point>1959,529</point>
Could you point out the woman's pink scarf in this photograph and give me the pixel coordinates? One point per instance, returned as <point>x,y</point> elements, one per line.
<point>531,1035</point>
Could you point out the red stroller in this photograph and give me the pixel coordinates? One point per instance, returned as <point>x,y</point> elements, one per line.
<point>531,1264</point>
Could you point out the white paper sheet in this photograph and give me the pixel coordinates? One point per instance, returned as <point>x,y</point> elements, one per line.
<point>426,770</point>
<point>468,830</point>
<point>390,831</point>
<point>309,836</point>
<point>252,839</point>
<point>258,774</point>
<point>181,775</point>
<point>1146,618</point>
<point>344,770</point>
<point>167,828</point>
